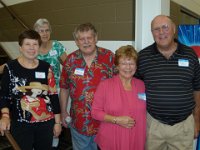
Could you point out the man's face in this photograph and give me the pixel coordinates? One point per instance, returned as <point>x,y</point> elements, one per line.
<point>86,41</point>
<point>163,31</point>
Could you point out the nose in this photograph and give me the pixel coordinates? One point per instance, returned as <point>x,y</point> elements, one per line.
<point>32,47</point>
<point>161,30</point>
<point>86,40</point>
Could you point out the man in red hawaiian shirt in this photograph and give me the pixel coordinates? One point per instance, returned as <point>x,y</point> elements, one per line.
<point>82,72</point>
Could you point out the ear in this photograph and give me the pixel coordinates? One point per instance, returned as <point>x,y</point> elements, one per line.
<point>96,38</point>
<point>20,49</point>
<point>174,28</point>
<point>76,41</point>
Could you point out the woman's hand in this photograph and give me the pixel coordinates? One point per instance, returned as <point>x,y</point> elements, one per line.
<point>125,121</point>
<point>4,124</point>
<point>57,129</point>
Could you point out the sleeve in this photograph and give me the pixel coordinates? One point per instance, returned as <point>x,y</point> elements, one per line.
<point>5,95</point>
<point>137,73</point>
<point>64,76</point>
<point>61,49</point>
<point>98,112</point>
<point>196,80</point>
<point>112,68</point>
<point>53,92</point>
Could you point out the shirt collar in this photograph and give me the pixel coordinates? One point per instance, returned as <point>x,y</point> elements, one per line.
<point>178,49</point>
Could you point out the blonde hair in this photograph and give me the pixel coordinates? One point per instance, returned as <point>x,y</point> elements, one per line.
<point>127,51</point>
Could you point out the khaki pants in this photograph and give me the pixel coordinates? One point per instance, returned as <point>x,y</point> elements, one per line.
<point>165,137</point>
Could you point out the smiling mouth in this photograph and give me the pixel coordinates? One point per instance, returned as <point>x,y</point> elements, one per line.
<point>86,46</point>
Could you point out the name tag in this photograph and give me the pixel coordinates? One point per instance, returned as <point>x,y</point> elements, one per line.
<point>40,75</point>
<point>183,63</point>
<point>142,96</point>
<point>53,53</point>
<point>79,71</point>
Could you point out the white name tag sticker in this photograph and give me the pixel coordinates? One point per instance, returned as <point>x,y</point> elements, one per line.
<point>40,75</point>
<point>142,96</point>
<point>183,63</point>
<point>79,71</point>
<point>53,53</point>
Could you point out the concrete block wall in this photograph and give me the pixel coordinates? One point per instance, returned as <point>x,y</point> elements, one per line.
<point>114,19</point>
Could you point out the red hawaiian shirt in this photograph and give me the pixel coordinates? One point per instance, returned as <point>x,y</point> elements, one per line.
<point>82,82</point>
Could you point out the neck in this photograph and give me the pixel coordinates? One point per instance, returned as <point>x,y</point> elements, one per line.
<point>89,58</point>
<point>45,47</point>
<point>28,63</point>
<point>126,83</point>
<point>168,51</point>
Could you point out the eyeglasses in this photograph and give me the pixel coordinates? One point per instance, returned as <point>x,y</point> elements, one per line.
<point>44,31</point>
<point>86,39</point>
<point>126,64</point>
<point>165,28</point>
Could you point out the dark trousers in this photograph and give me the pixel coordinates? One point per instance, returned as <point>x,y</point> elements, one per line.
<point>36,135</point>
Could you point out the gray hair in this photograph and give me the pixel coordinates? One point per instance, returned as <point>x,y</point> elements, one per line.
<point>40,22</point>
<point>83,28</point>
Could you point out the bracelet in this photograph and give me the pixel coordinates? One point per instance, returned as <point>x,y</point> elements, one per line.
<point>60,123</point>
<point>5,114</point>
<point>115,120</point>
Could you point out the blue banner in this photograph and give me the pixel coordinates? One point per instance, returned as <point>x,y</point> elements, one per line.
<point>190,36</point>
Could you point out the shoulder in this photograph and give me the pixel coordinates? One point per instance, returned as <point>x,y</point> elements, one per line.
<point>103,51</point>
<point>108,83</point>
<point>185,48</point>
<point>187,52</point>
<point>12,64</point>
<point>57,44</point>
<point>43,63</point>
<point>147,50</point>
<point>138,81</point>
<point>74,54</point>
<point>139,84</point>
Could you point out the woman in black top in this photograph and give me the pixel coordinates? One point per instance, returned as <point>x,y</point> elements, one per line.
<point>29,101</point>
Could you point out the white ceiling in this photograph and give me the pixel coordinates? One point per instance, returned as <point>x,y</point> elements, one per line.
<point>192,5</point>
<point>13,2</point>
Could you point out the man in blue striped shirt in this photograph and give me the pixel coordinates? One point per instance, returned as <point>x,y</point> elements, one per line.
<point>171,73</point>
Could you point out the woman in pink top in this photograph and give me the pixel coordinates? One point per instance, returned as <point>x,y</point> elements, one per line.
<point>120,105</point>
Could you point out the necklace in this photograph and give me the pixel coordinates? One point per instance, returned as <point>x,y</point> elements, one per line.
<point>28,64</point>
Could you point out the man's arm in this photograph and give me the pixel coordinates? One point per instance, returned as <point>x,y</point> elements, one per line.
<point>196,113</point>
<point>64,96</point>
<point>62,58</point>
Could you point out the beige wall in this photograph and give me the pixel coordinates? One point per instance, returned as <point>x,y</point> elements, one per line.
<point>114,19</point>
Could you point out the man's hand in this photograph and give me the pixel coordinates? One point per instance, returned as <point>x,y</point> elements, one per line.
<point>64,115</point>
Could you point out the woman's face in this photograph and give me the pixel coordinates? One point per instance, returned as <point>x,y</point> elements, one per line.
<point>29,48</point>
<point>44,32</point>
<point>127,68</point>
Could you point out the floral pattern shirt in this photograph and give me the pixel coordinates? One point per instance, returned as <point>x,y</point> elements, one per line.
<point>82,83</point>
<point>53,58</point>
